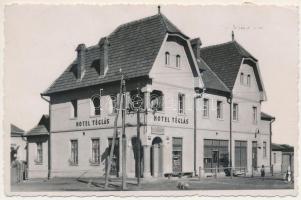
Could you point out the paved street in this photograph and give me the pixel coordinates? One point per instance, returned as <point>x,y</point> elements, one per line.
<point>86,184</point>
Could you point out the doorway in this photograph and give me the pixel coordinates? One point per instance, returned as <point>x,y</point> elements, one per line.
<point>177,144</point>
<point>157,157</point>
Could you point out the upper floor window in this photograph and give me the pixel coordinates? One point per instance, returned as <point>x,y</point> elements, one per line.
<point>95,151</point>
<point>95,105</point>
<point>205,107</point>
<point>74,152</point>
<point>249,80</point>
<point>275,158</point>
<point>167,58</point>
<point>39,159</point>
<point>242,77</point>
<point>181,103</point>
<point>254,115</point>
<point>156,100</point>
<point>73,110</point>
<point>235,111</point>
<point>264,149</point>
<point>178,61</point>
<point>219,109</point>
<point>135,100</point>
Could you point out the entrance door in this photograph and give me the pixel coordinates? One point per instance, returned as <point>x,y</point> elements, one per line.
<point>254,154</point>
<point>177,155</point>
<point>215,159</point>
<point>115,160</point>
<point>156,157</point>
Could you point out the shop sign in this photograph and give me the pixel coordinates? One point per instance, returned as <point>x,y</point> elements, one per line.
<point>171,120</point>
<point>157,130</point>
<point>92,122</point>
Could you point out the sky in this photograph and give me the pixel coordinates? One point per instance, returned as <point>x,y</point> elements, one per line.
<point>40,42</point>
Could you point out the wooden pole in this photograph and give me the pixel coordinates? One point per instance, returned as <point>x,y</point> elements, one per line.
<point>114,138</point>
<point>123,137</point>
<point>138,147</point>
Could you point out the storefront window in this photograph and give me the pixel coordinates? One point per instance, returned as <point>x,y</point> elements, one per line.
<point>240,154</point>
<point>177,154</point>
<point>216,155</point>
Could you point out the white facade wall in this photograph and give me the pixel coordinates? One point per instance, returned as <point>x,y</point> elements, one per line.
<point>171,81</point>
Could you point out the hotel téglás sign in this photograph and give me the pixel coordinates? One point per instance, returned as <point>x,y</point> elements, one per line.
<point>156,118</point>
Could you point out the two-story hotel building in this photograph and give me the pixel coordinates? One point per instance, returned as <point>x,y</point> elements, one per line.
<point>201,105</point>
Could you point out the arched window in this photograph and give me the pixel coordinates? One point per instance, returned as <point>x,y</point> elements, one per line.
<point>241,78</point>
<point>178,61</point>
<point>156,100</point>
<point>95,105</point>
<point>249,80</point>
<point>167,58</point>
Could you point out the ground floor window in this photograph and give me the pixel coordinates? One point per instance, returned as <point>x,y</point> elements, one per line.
<point>39,159</point>
<point>74,152</point>
<point>216,155</point>
<point>95,151</point>
<point>240,154</point>
<point>177,144</point>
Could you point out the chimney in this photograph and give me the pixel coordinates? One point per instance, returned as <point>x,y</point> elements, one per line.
<point>81,57</point>
<point>104,43</point>
<point>196,44</point>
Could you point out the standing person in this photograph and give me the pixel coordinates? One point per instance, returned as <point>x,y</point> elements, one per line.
<point>262,172</point>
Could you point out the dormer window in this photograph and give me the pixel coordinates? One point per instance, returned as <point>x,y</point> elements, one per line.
<point>249,80</point>
<point>178,61</point>
<point>73,108</point>
<point>242,78</point>
<point>167,58</point>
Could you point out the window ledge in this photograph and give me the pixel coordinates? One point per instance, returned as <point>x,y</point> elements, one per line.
<point>173,67</point>
<point>73,118</point>
<point>94,116</point>
<point>38,163</point>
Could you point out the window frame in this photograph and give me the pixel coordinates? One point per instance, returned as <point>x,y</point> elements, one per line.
<point>74,108</point>
<point>93,109</point>
<point>178,61</point>
<point>249,80</point>
<point>264,149</point>
<point>242,78</point>
<point>167,58</point>
<point>73,153</point>
<point>254,113</point>
<point>206,108</point>
<point>235,116</point>
<point>39,158</point>
<point>181,111</point>
<point>95,151</point>
<point>219,111</point>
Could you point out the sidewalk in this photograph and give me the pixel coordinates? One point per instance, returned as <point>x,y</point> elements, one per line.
<point>97,184</point>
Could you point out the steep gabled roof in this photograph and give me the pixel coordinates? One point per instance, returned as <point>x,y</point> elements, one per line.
<point>16,131</point>
<point>42,128</point>
<point>133,48</point>
<point>225,60</point>
<point>210,79</point>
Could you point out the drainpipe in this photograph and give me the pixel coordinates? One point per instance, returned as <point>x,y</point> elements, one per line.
<point>272,120</point>
<point>229,101</point>
<point>49,140</point>
<point>195,127</point>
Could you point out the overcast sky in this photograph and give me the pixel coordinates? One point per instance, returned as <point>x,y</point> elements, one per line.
<point>40,43</point>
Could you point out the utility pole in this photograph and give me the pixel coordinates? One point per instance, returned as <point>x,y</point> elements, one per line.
<point>123,136</point>
<point>230,157</point>
<point>114,137</point>
<point>139,143</point>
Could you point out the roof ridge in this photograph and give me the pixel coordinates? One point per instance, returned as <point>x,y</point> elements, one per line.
<point>216,45</point>
<point>132,22</point>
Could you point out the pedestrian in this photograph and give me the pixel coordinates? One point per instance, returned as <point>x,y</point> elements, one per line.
<point>262,172</point>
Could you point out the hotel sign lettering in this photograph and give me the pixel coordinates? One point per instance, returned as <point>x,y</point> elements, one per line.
<point>92,122</point>
<point>173,120</point>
